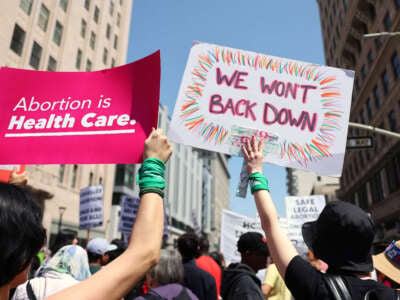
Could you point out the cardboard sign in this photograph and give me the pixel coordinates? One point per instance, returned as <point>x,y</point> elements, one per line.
<point>91,207</point>
<point>298,211</point>
<point>129,209</point>
<point>304,107</point>
<point>78,117</point>
<point>232,227</point>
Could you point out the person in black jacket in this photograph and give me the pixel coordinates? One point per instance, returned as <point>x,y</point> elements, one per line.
<point>200,282</point>
<point>239,280</point>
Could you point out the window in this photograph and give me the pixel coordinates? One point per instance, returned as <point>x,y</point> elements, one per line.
<point>83,28</point>
<point>18,39</point>
<point>90,178</point>
<point>112,63</point>
<point>26,6</point>
<point>362,197</point>
<point>96,14</point>
<point>369,109</point>
<point>64,5</point>
<point>385,81</point>
<point>393,174</point>
<point>120,2</point>
<point>361,159</point>
<point>108,31</point>
<point>362,116</point>
<point>111,8</point>
<point>376,188</point>
<point>100,180</point>
<point>387,22</point>
<point>395,65</point>
<point>392,121</point>
<point>36,54</point>
<point>61,172</point>
<point>78,59</point>
<point>370,57</point>
<point>74,172</point>
<point>377,97</point>
<point>378,43</point>
<point>345,4</point>
<point>115,41</point>
<point>58,31</point>
<point>118,19</point>
<point>87,4</point>
<point>43,17</point>
<point>105,56</point>
<point>363,72</point>
<point>88,65</point>
<point>52,65</point>
<point>92,40</point>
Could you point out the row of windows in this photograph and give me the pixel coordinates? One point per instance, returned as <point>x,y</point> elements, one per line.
<point>390,173</point>
<point>96,14</point>
<point>61,175</point>
<point>395,66</point>
<point>92,40</point>
<point>78,61</point>
<point>26,5</point>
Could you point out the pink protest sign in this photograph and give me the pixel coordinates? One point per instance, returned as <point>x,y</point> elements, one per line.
<point>78,117</point>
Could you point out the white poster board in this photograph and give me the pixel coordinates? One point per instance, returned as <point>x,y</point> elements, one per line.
<point>298,211</point>
<point>302,109</point>
<point>91,207</point>
<point>232,227</point>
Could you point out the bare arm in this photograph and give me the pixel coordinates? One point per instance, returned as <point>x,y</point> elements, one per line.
<point>266,289</point>
<point>118,277</point>
<point>282,250</point>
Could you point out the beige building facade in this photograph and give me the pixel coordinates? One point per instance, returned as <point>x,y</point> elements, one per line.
<point>66,35</point>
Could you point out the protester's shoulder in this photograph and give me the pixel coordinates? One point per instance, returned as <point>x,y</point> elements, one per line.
<point>304,281</point>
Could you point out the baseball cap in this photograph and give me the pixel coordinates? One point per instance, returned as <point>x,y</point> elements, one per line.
<point>388,262</point>
<point>100,246</point>
<point>342,237</point>
<point>252,241</point>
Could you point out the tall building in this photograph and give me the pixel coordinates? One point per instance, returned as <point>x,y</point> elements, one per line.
<point>66,35</point>
<point>371,177</point>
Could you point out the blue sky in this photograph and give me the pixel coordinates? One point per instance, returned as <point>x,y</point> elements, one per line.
<point>281,28</point>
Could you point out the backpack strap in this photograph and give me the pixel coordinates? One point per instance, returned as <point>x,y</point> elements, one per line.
<point>151,296</point>
<point>29,291</point>
<point>336,287</point>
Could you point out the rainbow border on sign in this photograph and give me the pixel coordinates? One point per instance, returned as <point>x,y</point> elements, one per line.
<point>211,132</point>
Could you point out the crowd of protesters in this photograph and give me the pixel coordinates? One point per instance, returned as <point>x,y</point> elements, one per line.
<point>339,266</point>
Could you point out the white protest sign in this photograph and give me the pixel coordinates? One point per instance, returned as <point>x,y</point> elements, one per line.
<point>232,227</point>
<point>298,211</point>
<point>129,208</point>
<point>91,207</point>
<point>302,109</point>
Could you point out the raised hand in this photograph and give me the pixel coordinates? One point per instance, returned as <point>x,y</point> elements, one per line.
<point>157,146</point>
<point>253,154</point>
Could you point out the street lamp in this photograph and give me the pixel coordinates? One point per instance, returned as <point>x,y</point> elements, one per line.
<point>61,210</point>
<point>378,34</point>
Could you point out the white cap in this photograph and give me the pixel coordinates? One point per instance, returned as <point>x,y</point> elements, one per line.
<point>99,246</point>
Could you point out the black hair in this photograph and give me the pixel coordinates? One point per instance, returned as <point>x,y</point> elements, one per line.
<point>21,232</point>
<point>63,238</point>
<point>188,244</point>
<point>113,254</point>
<point>93,257</point>
<point>215,255</point>
<point>204,245</point>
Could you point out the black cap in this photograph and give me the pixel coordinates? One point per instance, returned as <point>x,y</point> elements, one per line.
<point>252,241</point>
<point>342,237</point>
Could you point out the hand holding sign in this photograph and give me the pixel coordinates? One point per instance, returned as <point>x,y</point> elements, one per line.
<point>157,146</point>
<point>253,154</point>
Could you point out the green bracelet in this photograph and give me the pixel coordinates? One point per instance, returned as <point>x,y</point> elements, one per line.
<point>151,174</point>
<point>257,182</point>
<point>151,190</point>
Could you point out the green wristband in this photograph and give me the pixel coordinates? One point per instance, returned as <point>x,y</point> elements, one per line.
<point>258,181</point>
<point>151,174</point>
<point>152,190</point>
